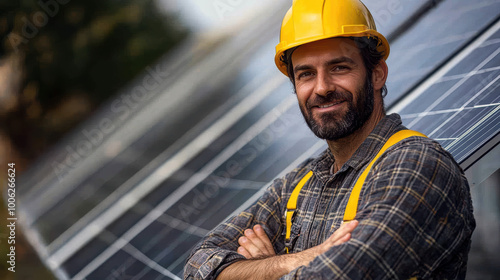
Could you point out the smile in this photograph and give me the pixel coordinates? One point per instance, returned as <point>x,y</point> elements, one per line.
<point>329,105</point>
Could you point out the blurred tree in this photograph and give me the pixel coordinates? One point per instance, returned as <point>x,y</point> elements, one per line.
<point>68,56</point>
<point>60,59</point>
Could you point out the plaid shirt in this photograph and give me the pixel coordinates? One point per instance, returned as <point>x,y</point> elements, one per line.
<point>415,215</point>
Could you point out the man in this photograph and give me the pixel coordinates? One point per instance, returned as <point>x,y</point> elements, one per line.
<point>414,213</point>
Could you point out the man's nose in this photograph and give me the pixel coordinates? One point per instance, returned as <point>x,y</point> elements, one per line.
<point>324,84</point>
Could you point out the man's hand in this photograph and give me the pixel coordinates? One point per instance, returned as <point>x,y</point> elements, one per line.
<point>255,244</point>
<point>341,235</point>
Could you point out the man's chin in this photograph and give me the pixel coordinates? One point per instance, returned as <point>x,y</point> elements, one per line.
<point>329,122</point>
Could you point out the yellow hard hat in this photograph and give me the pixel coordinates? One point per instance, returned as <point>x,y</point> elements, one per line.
<point>313,20</point>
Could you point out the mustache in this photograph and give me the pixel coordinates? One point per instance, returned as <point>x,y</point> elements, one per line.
<point>330,97</point>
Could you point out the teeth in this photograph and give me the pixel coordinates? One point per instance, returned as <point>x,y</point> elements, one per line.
<point>329,105</point>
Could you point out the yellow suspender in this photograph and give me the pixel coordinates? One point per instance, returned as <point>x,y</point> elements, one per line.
<point>352,204</point>
<point>291,206</point>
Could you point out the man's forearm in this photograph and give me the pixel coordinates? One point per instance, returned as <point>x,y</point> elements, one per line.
<point>267,268</point>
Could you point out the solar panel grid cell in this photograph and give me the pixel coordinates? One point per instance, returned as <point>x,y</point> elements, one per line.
<point>87,254</point>
<point>474,139</point>
<point>473,93</point>
<point>480,54</point>
<point>269,163</point>
<point>117,269</point>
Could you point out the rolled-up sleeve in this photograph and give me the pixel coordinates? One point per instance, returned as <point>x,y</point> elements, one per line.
<point>415,220</point>
<point>217,250</point>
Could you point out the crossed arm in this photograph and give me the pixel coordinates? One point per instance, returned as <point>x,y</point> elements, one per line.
<point>263,263</point>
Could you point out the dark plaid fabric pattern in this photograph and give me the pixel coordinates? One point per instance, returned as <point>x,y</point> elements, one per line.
<point>415,215</point>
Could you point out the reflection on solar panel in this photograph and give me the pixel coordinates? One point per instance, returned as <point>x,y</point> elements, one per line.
<point>135,206</point>
<point>431,41</point>
<point>460,105</point>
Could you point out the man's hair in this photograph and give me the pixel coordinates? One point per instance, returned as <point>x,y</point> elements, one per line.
<point>368,50</point>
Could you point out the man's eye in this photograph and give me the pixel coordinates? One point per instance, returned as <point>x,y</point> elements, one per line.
<point>304,74</point>
<point>340,68</point>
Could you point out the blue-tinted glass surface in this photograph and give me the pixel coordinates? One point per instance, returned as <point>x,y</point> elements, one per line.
<point>430,42</point>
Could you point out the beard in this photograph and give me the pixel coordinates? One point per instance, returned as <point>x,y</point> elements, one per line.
<point>333,125</point>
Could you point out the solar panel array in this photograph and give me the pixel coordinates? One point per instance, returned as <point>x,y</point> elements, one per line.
<point>135,206</point>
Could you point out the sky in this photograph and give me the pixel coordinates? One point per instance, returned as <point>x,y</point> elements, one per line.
<point>202,15</point>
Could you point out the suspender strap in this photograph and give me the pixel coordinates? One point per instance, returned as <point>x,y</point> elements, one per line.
<point>291,206</point>
<point>352,204</point>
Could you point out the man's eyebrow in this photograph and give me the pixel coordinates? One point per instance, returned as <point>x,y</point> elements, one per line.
<point>302,67</point>
<point>340,60</point>
<point>334,61</point>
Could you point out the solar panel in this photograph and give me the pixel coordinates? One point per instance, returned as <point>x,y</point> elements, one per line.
<point>139,210</point>
<point>460,105</point>
<point>433,40</point>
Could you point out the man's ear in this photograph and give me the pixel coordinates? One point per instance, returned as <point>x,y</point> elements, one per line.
<point>379,75</point>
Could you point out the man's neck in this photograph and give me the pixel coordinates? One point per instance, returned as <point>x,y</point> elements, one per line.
<point>343,149</point>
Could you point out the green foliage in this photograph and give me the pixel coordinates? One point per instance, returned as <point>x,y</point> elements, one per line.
<point>76,52</point>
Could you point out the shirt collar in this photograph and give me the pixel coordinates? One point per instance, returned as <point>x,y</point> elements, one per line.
<point>389,125</point>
